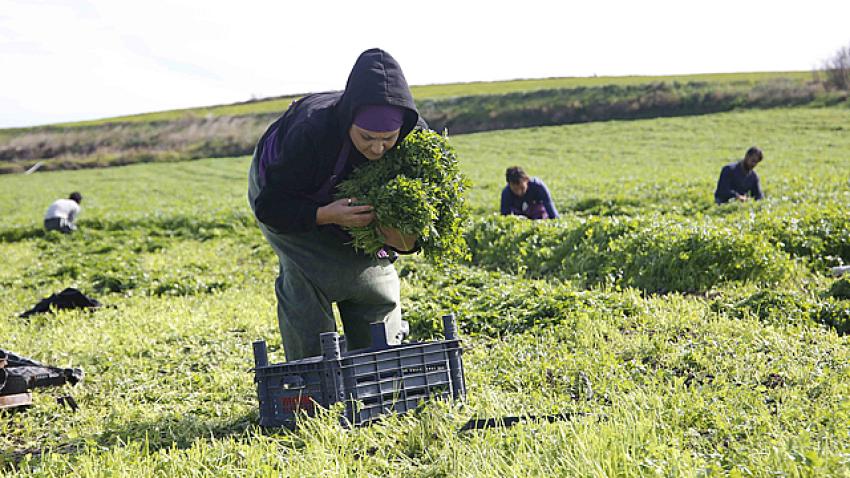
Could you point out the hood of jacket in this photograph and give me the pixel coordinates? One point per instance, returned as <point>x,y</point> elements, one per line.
<point>376,79</point>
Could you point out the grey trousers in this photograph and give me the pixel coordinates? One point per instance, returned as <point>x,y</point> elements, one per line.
<point>317,270</point>
<point>59,224</point>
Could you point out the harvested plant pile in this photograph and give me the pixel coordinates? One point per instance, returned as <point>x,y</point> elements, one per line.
<point>418,189</point>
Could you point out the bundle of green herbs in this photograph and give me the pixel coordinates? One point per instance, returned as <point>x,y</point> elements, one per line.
<point>418,189</point>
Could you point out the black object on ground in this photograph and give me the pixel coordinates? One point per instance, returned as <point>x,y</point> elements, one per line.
<point>69,298</point>
<point>68,401</point>
<point>507,422</point>
<point>19,375</point>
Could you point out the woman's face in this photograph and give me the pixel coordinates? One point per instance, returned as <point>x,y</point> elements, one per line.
<point>519,189</point>
<point>372,144</point>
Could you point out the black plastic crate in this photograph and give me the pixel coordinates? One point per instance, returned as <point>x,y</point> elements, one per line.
<point>284,389</point>
<point>398,379</point>
<point>371,382</point>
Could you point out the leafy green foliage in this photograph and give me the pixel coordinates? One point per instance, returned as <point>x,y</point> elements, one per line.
<point>836,314</point>
<point>772,306</point>
<point>840,289</point>
<point>792,306</point>
<point>818,233</point>
<point>497,304</point>
<point>418,189</point>
<point>656,254</point>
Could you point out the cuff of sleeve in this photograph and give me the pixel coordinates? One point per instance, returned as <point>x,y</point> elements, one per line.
<point>308,213</point>
<point>415,249</point>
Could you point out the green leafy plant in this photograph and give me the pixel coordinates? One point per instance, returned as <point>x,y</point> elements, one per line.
<point>655,254</point>
<point>418,189</point>
<point>840,289</point>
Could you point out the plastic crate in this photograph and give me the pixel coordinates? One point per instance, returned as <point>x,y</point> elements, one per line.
<point>371,382</point>
<point>284,389</point>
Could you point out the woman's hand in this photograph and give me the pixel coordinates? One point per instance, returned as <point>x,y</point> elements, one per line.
<point>398,240</point>
<point>342,212</point>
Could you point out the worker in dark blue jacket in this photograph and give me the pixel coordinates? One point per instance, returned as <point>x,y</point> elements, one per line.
<point>527,197</point>
<point>297,165</point>
<point>739,180</point>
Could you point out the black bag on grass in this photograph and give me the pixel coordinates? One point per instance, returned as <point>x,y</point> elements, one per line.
<point>69,298</point>
<point>20,374</point>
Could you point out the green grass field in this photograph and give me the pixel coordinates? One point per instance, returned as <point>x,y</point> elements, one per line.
<point>743,375</point>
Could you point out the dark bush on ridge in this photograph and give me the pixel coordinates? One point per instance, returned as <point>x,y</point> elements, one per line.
<point>111,144</point>
<point>601,103</point>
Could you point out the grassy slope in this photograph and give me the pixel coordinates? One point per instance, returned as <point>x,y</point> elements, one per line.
<point>666,162</point>
<point>687,389</point>
<point>423,92</point>
<point>232,129</point>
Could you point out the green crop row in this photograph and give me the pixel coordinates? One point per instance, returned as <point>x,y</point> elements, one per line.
<point>828,307</point>
<point>173,257</point>
<point>660,254</point>
<point>498,304</point>
<point>633,250</point>
<point>818,233</point>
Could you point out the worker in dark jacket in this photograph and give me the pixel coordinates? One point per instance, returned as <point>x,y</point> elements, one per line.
<point>739,180</point>
<point>527,197</point>
<point>297,164</point>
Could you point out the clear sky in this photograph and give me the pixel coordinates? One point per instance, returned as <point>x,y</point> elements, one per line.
<point>67,60</point>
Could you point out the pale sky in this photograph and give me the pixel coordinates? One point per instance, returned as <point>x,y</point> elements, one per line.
<point>69,60</point>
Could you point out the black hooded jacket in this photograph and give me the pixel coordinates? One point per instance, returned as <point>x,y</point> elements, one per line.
<point>311,134</point>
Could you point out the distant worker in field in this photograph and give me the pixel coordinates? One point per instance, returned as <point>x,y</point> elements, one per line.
<point>739,180</point>
<point>62,214</point>
<point>525,196</point>
<point>298,162</point>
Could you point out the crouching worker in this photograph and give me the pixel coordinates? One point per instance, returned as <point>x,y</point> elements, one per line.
<point>528,197</point>
<point>297,165</point>
<point>62,214</point>
<point>739,180</point>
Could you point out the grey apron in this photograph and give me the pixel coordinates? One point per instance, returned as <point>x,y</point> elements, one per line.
<point>318,269</point>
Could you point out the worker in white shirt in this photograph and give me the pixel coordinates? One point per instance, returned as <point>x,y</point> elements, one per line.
<point>62,214</point>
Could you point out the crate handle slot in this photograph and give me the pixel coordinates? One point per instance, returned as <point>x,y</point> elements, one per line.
<point>291,382</point>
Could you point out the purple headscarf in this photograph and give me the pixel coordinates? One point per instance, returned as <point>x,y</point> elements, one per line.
<point>379,118</point>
